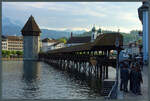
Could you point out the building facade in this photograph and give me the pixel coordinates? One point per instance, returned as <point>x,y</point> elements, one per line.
<point>15,43</point>
<point>47,44</point>
<point>78,40</point>
<point>81,40</point>
<point>12,43</point>
<point>50,44</point>
<point>4,43</point>
<point>58,45</point>
<point>133,49</point>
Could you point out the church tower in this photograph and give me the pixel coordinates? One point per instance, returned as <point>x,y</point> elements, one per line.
<point>31,39</point>
<point>99,31</point>
<point>94,34</point>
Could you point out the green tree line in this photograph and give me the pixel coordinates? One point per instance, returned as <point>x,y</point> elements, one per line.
<point>6,53</point>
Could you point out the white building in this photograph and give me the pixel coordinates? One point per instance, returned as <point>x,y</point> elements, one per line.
<point>57,45</point>
<point>132,48</point>
<point>4,43</point>
<point>12,43</point>
<point>50,44</point>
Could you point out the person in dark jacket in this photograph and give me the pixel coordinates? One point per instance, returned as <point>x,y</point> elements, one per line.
<point>124,77</point>
<point>131,77</point>
<point>134,80</point>
<point>139,81</point>
<point>121,76</point>
<point>141,64</point>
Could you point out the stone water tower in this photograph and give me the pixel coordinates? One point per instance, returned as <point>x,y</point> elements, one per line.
<point>31,39</point>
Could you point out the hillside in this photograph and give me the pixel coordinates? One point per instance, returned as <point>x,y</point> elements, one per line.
<point>10,27</point>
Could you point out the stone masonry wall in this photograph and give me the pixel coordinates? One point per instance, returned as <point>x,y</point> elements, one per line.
<point>31,47</point>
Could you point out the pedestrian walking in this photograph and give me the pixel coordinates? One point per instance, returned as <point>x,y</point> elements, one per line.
<point>124,78</point>
<point>131,78</point>
<point>139,80</point>
<point>121,76</point>
<point>136,80</point>
<point>129,59</point>
<point>141,64</point>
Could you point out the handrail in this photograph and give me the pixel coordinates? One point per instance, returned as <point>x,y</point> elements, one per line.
<point>113,93</point>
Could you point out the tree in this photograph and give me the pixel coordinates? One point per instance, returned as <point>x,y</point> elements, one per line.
<point>19,52</point>
<point>3,52</point>
<point>13,52</point>
<point>8,53</point>
<point>64,40</point>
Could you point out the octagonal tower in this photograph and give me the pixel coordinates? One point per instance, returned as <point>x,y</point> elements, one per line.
<point>31,39</point>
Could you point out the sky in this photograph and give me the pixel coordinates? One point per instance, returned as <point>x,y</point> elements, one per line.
<point>76,15</point>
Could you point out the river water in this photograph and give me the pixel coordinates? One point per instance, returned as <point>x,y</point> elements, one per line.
<point>38,80</point>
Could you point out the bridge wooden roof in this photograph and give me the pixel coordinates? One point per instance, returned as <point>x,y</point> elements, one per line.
<point>107,40</point>
<point>103,42</point>
<point>84,39</point>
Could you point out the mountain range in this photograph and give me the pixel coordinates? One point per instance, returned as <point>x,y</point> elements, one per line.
<point>13,27</point>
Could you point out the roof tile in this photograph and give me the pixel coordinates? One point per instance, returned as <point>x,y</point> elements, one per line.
<point>30,26</point>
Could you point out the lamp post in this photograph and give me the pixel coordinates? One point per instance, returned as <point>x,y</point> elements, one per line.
<point>143,16</point>
<point>117,61</point>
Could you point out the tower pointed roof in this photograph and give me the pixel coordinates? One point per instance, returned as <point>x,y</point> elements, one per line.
<point>30,26</point>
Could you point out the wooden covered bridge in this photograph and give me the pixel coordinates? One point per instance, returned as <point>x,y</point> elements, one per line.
<point>89,61</point>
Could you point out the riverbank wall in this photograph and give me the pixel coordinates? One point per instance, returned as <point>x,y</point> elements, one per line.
<point>12,59</point>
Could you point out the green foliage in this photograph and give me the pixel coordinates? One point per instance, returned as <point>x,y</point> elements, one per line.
<point>64,40</point>
<point>6,53</point>
<point>3,51</point>
<point>132,36</point>
<point>19,52</point>
<point>13,52</point>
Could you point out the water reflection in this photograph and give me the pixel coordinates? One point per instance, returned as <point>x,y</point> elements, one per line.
<point>31,71</point>
<point>38,80</point>
<point>31,77</point>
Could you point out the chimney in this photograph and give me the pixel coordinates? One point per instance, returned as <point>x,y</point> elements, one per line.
<point>71,34</point>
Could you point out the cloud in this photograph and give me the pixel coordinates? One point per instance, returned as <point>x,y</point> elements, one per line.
<point>80,20</point>
<point>44,27</point>
<point>78,15</point>
<point>88,28</point>
<point>127,16</point>
<point>70,28</point>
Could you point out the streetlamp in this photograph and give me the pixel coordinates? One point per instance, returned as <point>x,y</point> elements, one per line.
<point>143,16</point>
<point>117,61</point>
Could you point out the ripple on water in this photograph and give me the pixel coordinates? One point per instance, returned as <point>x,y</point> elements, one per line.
<point>41,82</point>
